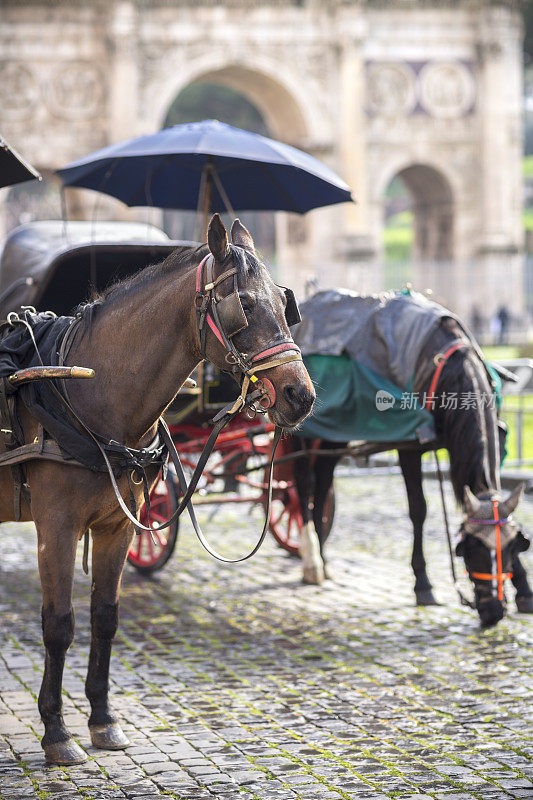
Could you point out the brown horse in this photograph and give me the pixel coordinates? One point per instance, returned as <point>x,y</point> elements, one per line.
<point>142,341</point>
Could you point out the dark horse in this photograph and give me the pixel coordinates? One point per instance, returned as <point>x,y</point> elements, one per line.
<point>471,436</point>
<point>142,341</point>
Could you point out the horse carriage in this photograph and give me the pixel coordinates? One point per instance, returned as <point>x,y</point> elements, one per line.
<point>55,266</point>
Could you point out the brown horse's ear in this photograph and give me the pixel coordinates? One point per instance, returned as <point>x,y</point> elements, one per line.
<point>241,237</point>
<point>217,238</point>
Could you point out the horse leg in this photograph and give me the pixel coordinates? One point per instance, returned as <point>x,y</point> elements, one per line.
<point>110,549</point>
<point>313,568</point>
<point>324,469</point>
<point>524,594</point>
<point>56,555</point>
<point>411,466</point>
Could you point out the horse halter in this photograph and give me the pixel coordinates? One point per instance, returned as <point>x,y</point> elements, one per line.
<point>226,318</point>
<point>498,577</point>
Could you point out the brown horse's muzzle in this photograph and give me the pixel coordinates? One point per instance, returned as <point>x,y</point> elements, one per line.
<point>294,394</point>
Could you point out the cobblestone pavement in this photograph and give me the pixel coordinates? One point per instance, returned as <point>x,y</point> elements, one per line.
<point>239,682</point>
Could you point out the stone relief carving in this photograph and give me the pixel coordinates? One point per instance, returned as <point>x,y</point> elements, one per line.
<point>76,90</point>
<point>446,89</point>
<point>18,90</point>
<point>442,90</point>
<point>390,89</point>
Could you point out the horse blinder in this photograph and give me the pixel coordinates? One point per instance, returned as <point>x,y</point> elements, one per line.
<point>231,314</point>
<point>292,312</point>
<point>233,319</point>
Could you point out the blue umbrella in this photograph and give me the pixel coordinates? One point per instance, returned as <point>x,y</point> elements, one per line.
<point>208,166</point>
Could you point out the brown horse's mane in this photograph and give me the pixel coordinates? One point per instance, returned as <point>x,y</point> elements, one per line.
<point>180,259</point>
<point>462,429</point>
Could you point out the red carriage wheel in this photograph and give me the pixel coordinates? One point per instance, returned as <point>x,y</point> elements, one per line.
<point>286,518</point>
<point>146,555</point>
<point>285,521</point>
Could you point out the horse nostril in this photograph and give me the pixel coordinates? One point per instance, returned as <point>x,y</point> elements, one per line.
<point>299,397</point>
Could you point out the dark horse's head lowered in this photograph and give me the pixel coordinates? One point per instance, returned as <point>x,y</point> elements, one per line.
<point>490,540</point>
<point>254,316</point>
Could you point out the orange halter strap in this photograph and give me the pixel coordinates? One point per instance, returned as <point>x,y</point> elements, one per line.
<point>500,576</point>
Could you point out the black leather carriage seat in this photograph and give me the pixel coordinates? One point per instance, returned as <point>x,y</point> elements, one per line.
<point>55,266</point>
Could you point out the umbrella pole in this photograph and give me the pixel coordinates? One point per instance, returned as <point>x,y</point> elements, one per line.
<point>207,202</point>
<point>222,193</point>
<point>210,177</point>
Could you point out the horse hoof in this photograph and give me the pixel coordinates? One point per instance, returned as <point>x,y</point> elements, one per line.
<point>525,604</point>
<point>313,576</point>
<point>109,737</point>
<point>65,753</point>
<point>425,597</point>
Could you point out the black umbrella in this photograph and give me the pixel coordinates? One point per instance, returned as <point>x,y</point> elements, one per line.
<point>13,168</point>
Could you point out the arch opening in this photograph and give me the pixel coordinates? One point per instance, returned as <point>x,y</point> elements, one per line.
<point>418,223</point>
<point>276,105</point>
<point>421,197</point>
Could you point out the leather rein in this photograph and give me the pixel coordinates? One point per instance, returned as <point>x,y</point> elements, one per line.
<point>207,314</point>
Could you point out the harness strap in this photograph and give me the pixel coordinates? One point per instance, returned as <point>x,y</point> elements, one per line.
<point>440,361</point>
<point>489,576</point>
<point>498,577</point>
<point>271,351</point>
<point>187,492</point>
<point>13,435</point>
<point>214,328</point>
<point>462,598</point>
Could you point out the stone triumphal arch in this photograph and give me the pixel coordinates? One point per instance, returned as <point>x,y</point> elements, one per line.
<point>424,90</point>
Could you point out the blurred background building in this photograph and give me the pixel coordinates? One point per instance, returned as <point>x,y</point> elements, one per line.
<point>417,104</point>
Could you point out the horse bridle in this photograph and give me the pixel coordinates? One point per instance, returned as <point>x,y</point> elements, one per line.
<point>498,577</point>
<point>225,317</point>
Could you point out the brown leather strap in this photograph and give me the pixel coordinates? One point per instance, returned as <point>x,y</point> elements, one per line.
<point>41,448</point>
<point>13,435</point>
